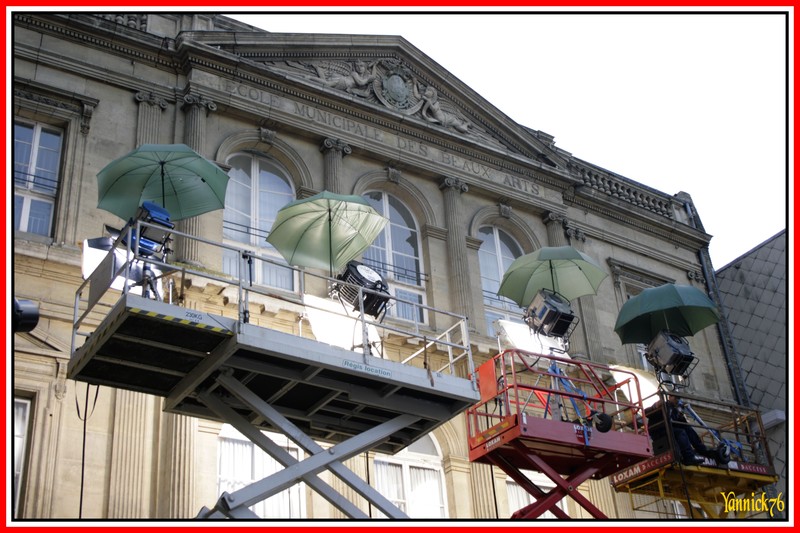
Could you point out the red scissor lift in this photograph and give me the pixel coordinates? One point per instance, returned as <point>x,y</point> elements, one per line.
<point>555,415</point>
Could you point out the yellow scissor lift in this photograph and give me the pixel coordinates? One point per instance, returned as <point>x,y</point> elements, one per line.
<point>661,485</point>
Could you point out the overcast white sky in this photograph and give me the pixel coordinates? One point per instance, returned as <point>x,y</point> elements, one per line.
<point>679,102</point>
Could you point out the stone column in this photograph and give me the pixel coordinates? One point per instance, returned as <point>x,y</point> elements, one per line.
<point>197,109</point>
<point>147,123</point>
<point>334,151</point>
<point>458,480</point>
<point>554,222</point>
<point>458,266</point>
<point>177,495</point>
<point>585,339</point>
<point>131,456</point>
<point>589,327</point>
<point>484,488</point>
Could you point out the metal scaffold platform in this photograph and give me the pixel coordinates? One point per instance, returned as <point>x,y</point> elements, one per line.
<point>719,487</point>
<point>256,378</point>
<point>554,415</point>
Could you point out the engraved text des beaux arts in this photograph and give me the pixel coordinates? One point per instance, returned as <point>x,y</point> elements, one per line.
<point>370,133</point>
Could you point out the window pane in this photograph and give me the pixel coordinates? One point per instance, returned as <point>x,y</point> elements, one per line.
<point>491,316</point>
<point>404,241</point>
<point>408,311</point>
<point>277,276</point>
<point>424,446</point>
<point>241,463</point>
<point>19,201</point>
<point>375,199</point>
<point>509,249</point>
<point>495,255</point>
<point>389,482</point>
<point>425,496</point>
<point>21,416</point>
<point>406,269</point>
<point>399,214</point>
<point>238,201</point>
<point>40,217</point>
<point>23,148</point>
<point>47,161</point>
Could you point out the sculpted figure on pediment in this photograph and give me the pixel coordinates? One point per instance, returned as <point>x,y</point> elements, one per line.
<point>440,112</point>
<point>389,82</point>
<point>354,78</point>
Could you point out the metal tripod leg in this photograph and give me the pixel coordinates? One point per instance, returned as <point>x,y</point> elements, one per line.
<point>320,459</point>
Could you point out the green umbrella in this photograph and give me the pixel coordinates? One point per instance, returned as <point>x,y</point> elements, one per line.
<point>325,231</point>
<point>561,269</point>
<point>171,175</point>
<point>680,309</point>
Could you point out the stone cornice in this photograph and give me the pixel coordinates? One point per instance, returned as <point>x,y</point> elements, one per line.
<point>434,232</point>
<point>625,190</point>
<point>620,269</point>
<point>107,34</point>
<point>670,231</point>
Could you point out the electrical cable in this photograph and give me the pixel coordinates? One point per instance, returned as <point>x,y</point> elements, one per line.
<point>85,420</point>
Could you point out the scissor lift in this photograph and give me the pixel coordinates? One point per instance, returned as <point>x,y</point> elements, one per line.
<point>715,489</point>
<point>557,416</point>
<point>256,378</point>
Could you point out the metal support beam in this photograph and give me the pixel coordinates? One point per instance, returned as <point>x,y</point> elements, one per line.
<point>526,484</point>
<point>564,487</point>
<point>200,372</point>
<point>278,453</point>
<point>320,459</point>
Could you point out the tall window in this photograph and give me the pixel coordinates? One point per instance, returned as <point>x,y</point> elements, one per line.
<point>257,189</point>
<point>496,254</point>
<point>22,409</point>
<point>395,254</point>
<point>241,463</point>
<point>413,479</point>
<point>37,160</point>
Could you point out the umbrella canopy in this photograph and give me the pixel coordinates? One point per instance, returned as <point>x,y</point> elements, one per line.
<point>680,309</point>
<point>171,175</point>
<point>325,230</point>
<point>561,269</point>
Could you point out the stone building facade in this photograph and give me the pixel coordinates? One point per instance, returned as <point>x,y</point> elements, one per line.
<point>465,185</point>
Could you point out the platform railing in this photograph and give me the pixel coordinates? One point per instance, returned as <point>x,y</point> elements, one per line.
<point>517,384</point>
<point>716,422</point>
<point>444,337</point>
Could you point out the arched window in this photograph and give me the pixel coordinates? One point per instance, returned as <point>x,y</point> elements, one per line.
<point>496,254</point>
<point>395,254</point>
<point>257,189</point>
<point>242,463</point>
<point>413,479</point>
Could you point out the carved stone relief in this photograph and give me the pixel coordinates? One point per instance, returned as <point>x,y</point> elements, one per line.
<point>386,82</point>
